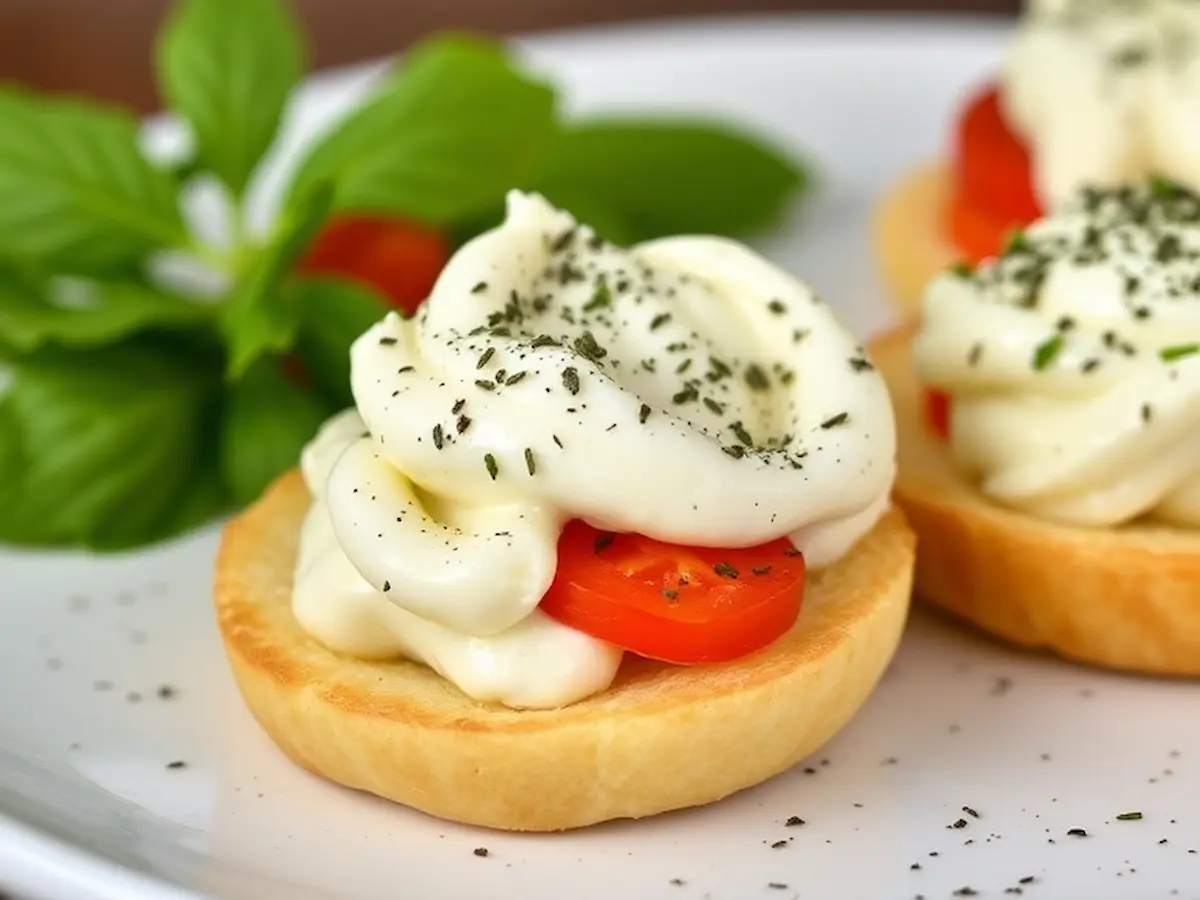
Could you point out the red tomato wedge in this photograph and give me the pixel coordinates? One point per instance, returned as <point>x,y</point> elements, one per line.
<point>677,604</point>
<point>937,412</point>
<point>976,235</point>
<point>992,181</point>
<point>400,259</point>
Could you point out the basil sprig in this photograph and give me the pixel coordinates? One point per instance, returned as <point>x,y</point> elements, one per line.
<point>131,410</point>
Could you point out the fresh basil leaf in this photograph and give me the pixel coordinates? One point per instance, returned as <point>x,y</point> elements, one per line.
<point>266,423</point>
<point>76,195</point>
<point>595,211</point>
<point>255,323</point>
<point>104,313</point>
<point>227,66</point>
<point>101,447</point>
<point>204,498</point>
<point>443,140</point>
<point>333,313</point>
<point>22,276</point>
<point>259,316</point>
<point>663,178</point>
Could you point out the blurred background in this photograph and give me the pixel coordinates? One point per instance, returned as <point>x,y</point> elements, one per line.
<point>102,47</point>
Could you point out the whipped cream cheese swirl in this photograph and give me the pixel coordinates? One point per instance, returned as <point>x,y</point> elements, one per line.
<point>684,389</point>
<point>1073,361</point>
<point>1106,92</point>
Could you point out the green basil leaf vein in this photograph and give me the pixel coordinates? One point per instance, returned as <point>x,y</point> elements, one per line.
<point>76,194</point>
<point>260,317</point>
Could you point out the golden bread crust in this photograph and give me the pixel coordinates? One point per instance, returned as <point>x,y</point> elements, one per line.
<point>660,738</point>
<point>908,236</point>
<point>1123,598</point>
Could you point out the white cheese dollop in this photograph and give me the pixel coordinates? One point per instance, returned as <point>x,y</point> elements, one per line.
<point>684,389</point>
<point>1073,362</point>
<point>1106,92</point>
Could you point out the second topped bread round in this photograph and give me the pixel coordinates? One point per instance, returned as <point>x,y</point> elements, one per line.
<point>1048,416</point>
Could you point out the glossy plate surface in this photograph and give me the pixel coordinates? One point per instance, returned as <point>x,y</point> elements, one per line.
<point>964,773</point>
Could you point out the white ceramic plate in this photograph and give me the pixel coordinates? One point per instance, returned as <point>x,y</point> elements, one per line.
<point>112,670</point>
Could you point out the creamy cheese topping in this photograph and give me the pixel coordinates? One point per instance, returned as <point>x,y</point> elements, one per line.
<point>685,389</point>
<point>1106,92</point>
<point>536,663</point>
<point>1073,361</point>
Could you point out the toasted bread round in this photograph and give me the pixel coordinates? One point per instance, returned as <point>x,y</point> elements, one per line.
<point>1123,598</point>
<point>908,236</point>
<point>661,738</point>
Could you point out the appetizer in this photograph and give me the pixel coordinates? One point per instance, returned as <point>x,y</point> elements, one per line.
<point>606,533</point>
<point>1048,411</point>
<point>1092,93</point>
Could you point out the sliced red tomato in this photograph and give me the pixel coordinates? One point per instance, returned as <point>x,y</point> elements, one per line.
<point>975,234</point>
<point>992,182</point>
<point>682,605</point>
<point>937,412</point>
<point>993,169</point>
<point>400,259</point>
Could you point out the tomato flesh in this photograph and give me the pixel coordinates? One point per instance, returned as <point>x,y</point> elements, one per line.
<point>677,604</point>
<point>976,235</point>
<point>992,189</point>
<point>937,412</point>
<point>991,194</point>
<point>401,260</point>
